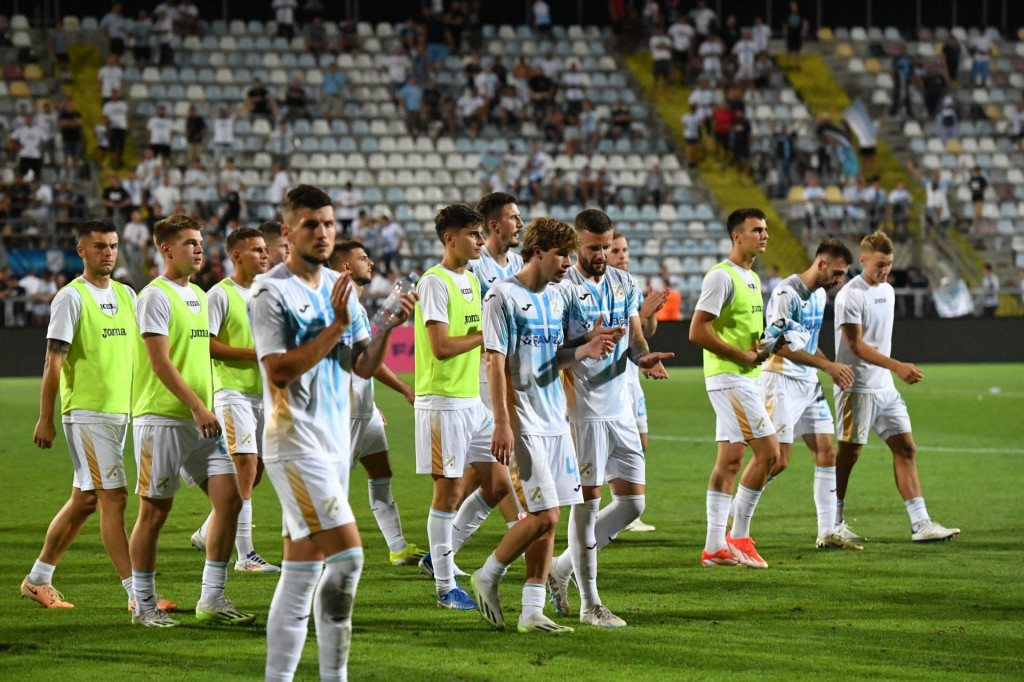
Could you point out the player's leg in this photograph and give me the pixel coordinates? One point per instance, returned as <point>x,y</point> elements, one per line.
<point>820,443</point>
<point>385,510</point>
<point>62,531</point>
<point>493,477</point>
<point>288,621</point>
<point>112,505</point>
<point>854,417</point>
<point>440,452</point>
<point>719,500</point>
<point>334,597</point>
<point>248,559</point>
<point>765,452</point>
<point>640,414</point>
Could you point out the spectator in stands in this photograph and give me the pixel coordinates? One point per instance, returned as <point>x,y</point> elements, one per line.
<point>661,52</point>
<point>710,53</point>
<point>166,195</point>
<point>187,23</point>
<point>296,101</point>
<point>197,181</point>
<point>814,207</point>
<point>899,203</point>
<point>281,144</point>
<point>101,131</point>
<point>284,16</point>
<point>951,60</point>
<point>141,31</point>
<point>117,200</point>
<point>977,184</point>
<point>981,49</point>
<point>398,65</point>
<point>934,86</point>
<point>947,120</point>
<point>722,118</point>
<point>116,113</point>
<point>739,141</point>
<point>795,30</point>
<point>410,99</point>
<point>573,82</point>
<point>654,185</point>
<point>348,36</point>
<point>278,186</point>
<point>136,240</point>
<point>510,108</point>
<point>560,188</point>
<point>589,128</point>
<point>41,208</point>
<point>113,26</point>
<point>702,18</point>
<point>937,203</point>
<point>774,280</point>
<point>159,129</point>
<point>606,187</point>
<point>990,291</point>
<point>59,45</point>
<point>682,35</point>
<point>349,201</point>
<point>455,19</point>
<point>332,91</point>
<point>671,311</point>
<point>195,132</point>
<point>542,17</point>
<point>26,142</point>
<point>855,196</point>
<point>111,77</point>
<point>542,94</point>
<point>784,149</point>
<point>761,34</point>
<point>1016,127</point>
<point>42,292</point>
<point>729,32</point>
<point>745,53</point>
<point>229,179</point>
<point>471,111</point>
<point>536,170</point>
<point>902,76</point>
<point>587,182</point>
<point>223,131</point>
<point>651,16</point>
<point>515,165</point>
<point>317,41</point>
<point>622,121</point>
<point>431,103</point>
<point>163,29</point>
<point>571,131</point>
<point>552,128</point>
<point>70,204</point>
<point>392,237</point>
<point>691,122</point>
<point>259,102</point>
<point>148,173</point>
<point>437,36</point>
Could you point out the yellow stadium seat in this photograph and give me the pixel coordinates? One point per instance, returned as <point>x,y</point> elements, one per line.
<point>872,65</point>
<point>33,72</point>
<point>953,146</point>
<point>994,112</point>
<point>796,193</point>
<point>825,34</point>
<point>844,50</point>
<point>19,89</point>
<point>833,194</point>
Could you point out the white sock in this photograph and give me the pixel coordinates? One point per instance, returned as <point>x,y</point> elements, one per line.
<point>382,504</point>
<point>533,600</point>
<point>509,524</point>
<point>439,535</point>
<point>718,512</point>
<point>825,499</point>
<point>583,551</point>
<point>243,533</point>
<point>42,573</point>
<point>206,526</point>
<point>471,514</point>
<point>145,592</point>
<point>917,511</point>
<point>215,576</point>
<point>493,570</point>
<point>622,511</point>
<point>746,502</point>
<point>839,511</point>
<point>563,562</point>
<point>732,505</point>
<point>288,620</point>
<point>127,585</point>
<point>332,609</point>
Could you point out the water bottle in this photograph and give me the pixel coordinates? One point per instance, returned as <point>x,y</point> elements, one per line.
<point>385,317</point>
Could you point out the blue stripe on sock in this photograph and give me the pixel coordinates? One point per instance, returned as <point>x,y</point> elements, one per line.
<point>483,502</point>
<point>140,574</point>
<point>755,493</point>
<point>216,564</point>
<point>715,493</point>
<point>347,555</point>
<point>382,482</point>
<point>535,585</point>
<point>441,514</point>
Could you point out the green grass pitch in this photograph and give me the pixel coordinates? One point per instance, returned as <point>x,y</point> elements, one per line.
<point>894,611</point>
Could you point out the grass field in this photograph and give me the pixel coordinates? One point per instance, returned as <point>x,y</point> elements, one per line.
<point>894,611</point>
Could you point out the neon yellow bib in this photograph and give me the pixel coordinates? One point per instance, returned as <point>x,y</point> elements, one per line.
<point>236,375</point>
<point>740,324</point>
<point>459,376</point>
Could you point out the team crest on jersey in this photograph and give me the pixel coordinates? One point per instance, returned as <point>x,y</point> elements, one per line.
<point>586,469</point>
<point>113,472</point>
<point>535,495</point>
<point>332,508</point>
<point>781,429</point>
<point>556,307</point>
<point>618,292</point>
<point>449,462</point>
<point>861,432</point>
<point>161,483</point>
<point>760,424</point>
<point>246,438</point>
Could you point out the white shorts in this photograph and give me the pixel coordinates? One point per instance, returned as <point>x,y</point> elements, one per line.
<point>448,441</point>
<point>97,451</point>
<point>165,452</point>
<point>243,428</point>
<point>313,492</point>
<point>368,436</point>
<point>745,73</point>
<point>544,472</point>
<point>609,450</point>
<point>797,408</point>
<point>859,413</point>
<point>740,413</point>
<point>639,406</point>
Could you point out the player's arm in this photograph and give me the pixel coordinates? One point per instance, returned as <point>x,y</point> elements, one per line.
<point>45,431</point>
<point>502,441</point>
<point>640,353</point>
<point>444,346</point>
<point>158,350</point>
<point>595,348</point>
<point>649,309</point>
<point>385,376</point>
<point>853,335</point>
<point>702,335</point>
<point>284,368</point>
<point>842,375</point>
<point>368,356</point>
<point>222,351</point>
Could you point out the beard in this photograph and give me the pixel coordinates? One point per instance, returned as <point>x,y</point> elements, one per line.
<point>313,260</point>
<point>591,269</point>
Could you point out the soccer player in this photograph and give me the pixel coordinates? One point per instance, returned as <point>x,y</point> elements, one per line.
<point>369,442</point>
<point>618,257</point>
<point>309,337</point>
<point>608,443</point>
<point>175,432</point>
<point>453,428</point>
<point>864,320</point>
<point>497,262</point>
<point>727,323</point>
<point>793,394</point>
<point>525,316</point>
<point>237,387</point>
<point>90,346</point>
<point>277,245</point>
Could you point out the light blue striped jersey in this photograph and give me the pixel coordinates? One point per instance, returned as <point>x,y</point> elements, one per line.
<point>792,300</point>
<point>362,389</point>
<point>490,273</point>
<point>598,386</point>
<point>527,328</point>
<point>309,417</point>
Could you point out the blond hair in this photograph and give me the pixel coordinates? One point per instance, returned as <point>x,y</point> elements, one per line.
<point>877,242</point>
<point>547,234</point>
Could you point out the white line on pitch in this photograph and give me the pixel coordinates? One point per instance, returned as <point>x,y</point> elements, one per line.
<point>874,446</point>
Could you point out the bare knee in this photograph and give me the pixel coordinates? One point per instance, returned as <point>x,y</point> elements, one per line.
<point>907,451</point>
<point>112,501</point>
<point>548,521</point>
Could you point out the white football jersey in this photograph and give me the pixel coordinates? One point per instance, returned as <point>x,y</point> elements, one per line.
<point>873,308</point>
<point>309,417</point>
<point>490,273</point>
<point>362,389</point>
<point>791,300</point>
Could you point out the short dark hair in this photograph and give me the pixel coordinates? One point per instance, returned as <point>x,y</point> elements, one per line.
<point>832,249</point>
<point>491,205</point>
<point>594,220</point>
<point>455,217</point>
<point>304,196</point>
<point>271,230</point>
<point>740,216</point>
<point>172,226</point>
<point>343,249</point>
<point>87,227</point>
<point>240,235</point>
